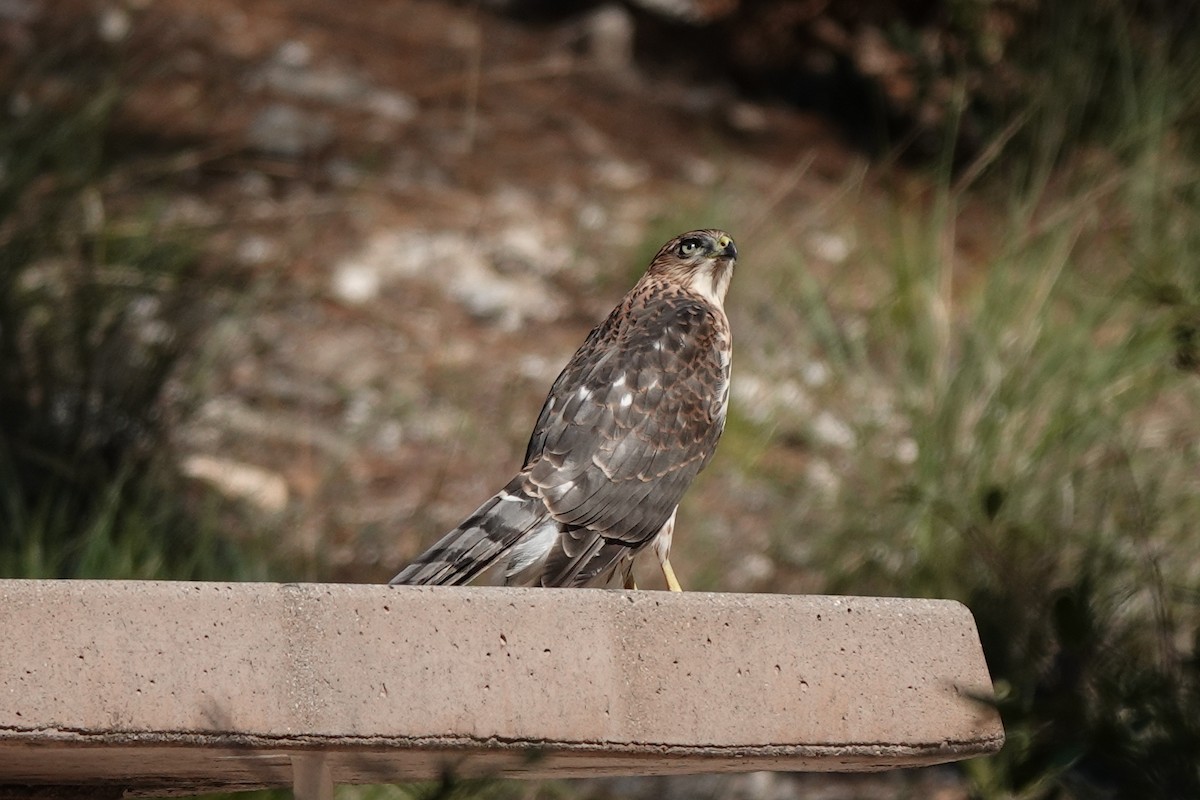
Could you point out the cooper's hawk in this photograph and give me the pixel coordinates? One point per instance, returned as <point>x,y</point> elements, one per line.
<point>628,424</point>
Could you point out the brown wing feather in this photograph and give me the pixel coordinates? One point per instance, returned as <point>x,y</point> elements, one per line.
<point>626,427</point>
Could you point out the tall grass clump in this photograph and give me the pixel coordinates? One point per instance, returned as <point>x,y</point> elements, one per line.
<point>1026,429</point>
<point>1029,444</point>
<point>1054,492</point>
<point>96,309</point>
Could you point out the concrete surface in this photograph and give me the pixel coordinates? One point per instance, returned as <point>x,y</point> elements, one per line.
<point>153,687</point>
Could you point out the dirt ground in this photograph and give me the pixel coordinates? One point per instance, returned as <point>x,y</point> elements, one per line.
<point>427,206</point>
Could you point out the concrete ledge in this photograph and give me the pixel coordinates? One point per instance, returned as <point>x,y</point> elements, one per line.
<point>153,687</point>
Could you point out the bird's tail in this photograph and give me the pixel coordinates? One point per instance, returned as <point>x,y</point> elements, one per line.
<point>479,541</point>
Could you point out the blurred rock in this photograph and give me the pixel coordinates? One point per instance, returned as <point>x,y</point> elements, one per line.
<point>692,11</point>
<point>253,183</point>
<point>114,24</point>
<point>747,118</point>
<point>764,400</point>
<point>511,301</point>
<point>609,33</point>
<point>753,570</point>
<point>344,173</point>
<point>700,171</point>
<point>356,282</point>
<point>829,247</point>
<point>525,247</point>
<point>388,436</point>
<point>467,270</point>
<point>815,373</point>
<point>592,217</point>
<point>291,73</point>
<point>829,430</point>
<point>390,105</point>
<point>906,451</point>
<point>822,476</point>
<point>613,173</point>
<point>150,329</point>
<point>538,368</point>
<point>256,249</point>
<point>231,417</point>
<point>259,487</point>
<point>294,53</point>
<point>286,131</point>
<point>190,211</point>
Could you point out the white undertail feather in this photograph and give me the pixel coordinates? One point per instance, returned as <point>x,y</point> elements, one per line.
<point>527,555</point>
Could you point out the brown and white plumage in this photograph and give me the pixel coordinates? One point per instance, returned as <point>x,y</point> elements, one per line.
<point>628,424</point>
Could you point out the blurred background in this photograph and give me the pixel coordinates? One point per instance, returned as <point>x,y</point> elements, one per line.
<point>283,285</point>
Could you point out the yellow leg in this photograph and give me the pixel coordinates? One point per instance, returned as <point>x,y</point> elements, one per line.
<point>630,583</point>
<point>669,574</point>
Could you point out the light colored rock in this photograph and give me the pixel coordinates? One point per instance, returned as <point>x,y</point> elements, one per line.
<point>287,131</point>
<point>256,249</point>
<point>528,247</point>
<point>822,476</point>
<point>232,417</point>
<point>391,105</point>
<point>510,300</point>
<point>906,451</point>
<point>114,24</point>
<point>355,282</point>
<point>622,176</point>
<point>765,400</point>
<point>292,74</point>
<point>831,431</point>
<point>700,171</point>
<point>239,481</point>
<point>829,247</point>
<point>815,373</point>
<point>748,118</point>
<point>609,32</point>
<point>465,269</point>
<point>691,11</point>
<point>294,54</point>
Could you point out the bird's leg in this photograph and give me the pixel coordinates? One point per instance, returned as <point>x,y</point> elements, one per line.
<point>630,583</point>
<point>662,548</point>
<point>669,574</point>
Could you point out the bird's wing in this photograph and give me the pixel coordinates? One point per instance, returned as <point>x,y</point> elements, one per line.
<point>631,420</point>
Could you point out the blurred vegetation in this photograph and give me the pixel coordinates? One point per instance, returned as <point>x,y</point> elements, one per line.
<point>98,305</point>
<point>1028,446</point>
<point>1026,433</point>
<point>896,72</point>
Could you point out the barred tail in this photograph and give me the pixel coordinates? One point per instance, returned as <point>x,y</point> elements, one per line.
<point>479,541</point>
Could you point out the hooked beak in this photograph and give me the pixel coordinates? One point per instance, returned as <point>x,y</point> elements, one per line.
<point>726,248</point>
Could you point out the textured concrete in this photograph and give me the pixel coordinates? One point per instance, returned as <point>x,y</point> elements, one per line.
<point>156,686</point>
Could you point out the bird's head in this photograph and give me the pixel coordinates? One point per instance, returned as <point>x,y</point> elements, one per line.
<point>701,261</point>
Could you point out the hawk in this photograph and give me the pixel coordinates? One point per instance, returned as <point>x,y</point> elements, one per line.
<point>630,421</point>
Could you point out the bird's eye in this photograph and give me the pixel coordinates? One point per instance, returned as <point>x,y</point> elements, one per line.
<point>689,247</point>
